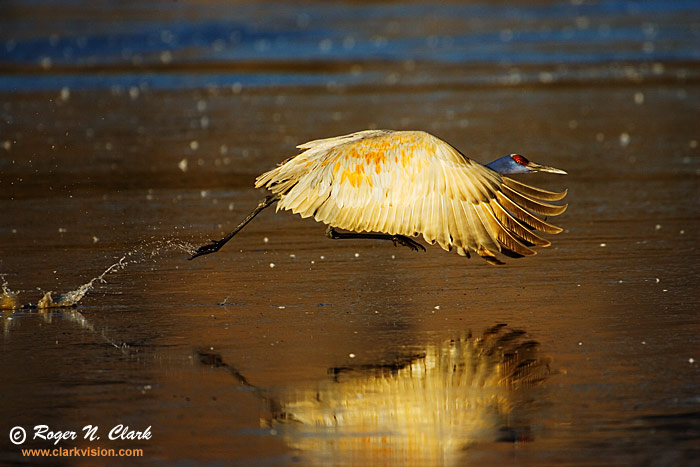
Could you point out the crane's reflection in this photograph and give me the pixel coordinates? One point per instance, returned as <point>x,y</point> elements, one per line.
<point>424,408</point>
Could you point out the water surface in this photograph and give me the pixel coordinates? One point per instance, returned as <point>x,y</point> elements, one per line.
<point>131,133</point>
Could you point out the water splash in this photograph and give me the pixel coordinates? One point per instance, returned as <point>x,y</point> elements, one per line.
<point>146,251</point>
<point>8,299</point>
<point>51,306</point>
<point>74,296</point>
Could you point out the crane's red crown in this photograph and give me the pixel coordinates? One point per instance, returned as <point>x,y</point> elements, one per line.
<point>519,159</point>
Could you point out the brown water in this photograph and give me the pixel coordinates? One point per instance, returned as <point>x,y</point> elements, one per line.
<point>289,348</point>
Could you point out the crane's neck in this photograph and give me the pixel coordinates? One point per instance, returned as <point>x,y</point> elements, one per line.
<point>506,166</point>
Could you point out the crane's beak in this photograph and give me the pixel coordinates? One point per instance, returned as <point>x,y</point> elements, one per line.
<point>534,167</point>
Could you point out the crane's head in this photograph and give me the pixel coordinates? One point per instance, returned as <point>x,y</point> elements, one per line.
<point>517,164</point>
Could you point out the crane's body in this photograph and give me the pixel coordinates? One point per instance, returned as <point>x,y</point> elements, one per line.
<point>399,184</point>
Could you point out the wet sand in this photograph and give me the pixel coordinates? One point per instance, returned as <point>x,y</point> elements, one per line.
<point>289,348</point>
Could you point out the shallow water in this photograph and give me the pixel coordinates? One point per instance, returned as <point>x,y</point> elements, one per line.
<point>130,134</point>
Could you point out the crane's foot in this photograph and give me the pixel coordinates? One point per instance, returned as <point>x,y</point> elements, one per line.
<point>215,245</point>
<point>396,239</point>
<point>405,241</point>
<point>212,247</point>
<point>333,234</point>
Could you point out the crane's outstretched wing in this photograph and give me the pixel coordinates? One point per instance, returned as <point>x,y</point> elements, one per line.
<point>411,183</point>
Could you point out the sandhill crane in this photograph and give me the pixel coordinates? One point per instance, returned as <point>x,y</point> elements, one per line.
<point>391,185</point>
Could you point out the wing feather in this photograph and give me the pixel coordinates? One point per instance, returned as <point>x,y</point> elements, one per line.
<point>512,225</point>
<point>533,205</point>
<point>453,232</point>
<point>414,210</point>
<point>401,223</point>
<point>454,224</point>
<point>471,231</point>
<point>385,218</point>
<point>506,238</point>
<point>525,216</point>
<point>534,192</point>
<point>444,238</point>
<point>429,227</point>
<point>491,228</point>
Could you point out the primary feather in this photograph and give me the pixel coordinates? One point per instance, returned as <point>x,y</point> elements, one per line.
<point>412,183</point>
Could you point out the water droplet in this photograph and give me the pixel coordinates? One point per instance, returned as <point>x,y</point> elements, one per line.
<point>65,93</point>
<point>546,77</point>
<point>325,45</point>
<point>348,42</point>
<point>624,139</point>
<point>166,36</point>
<point>166,57</point>
<point>658,68</point>
<point>506,35</point>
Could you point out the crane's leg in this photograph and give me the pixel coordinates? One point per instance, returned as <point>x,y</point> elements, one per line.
<point>215,245</point>
<point>397,239</point>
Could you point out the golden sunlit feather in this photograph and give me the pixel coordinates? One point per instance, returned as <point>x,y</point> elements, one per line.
<point>532,191</point>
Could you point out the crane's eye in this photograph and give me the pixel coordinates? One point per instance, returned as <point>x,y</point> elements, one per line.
<point>519,159</point>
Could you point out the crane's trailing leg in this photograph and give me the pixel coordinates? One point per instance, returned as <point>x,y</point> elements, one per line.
<point>397,239</point>
<point>215,245</point>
